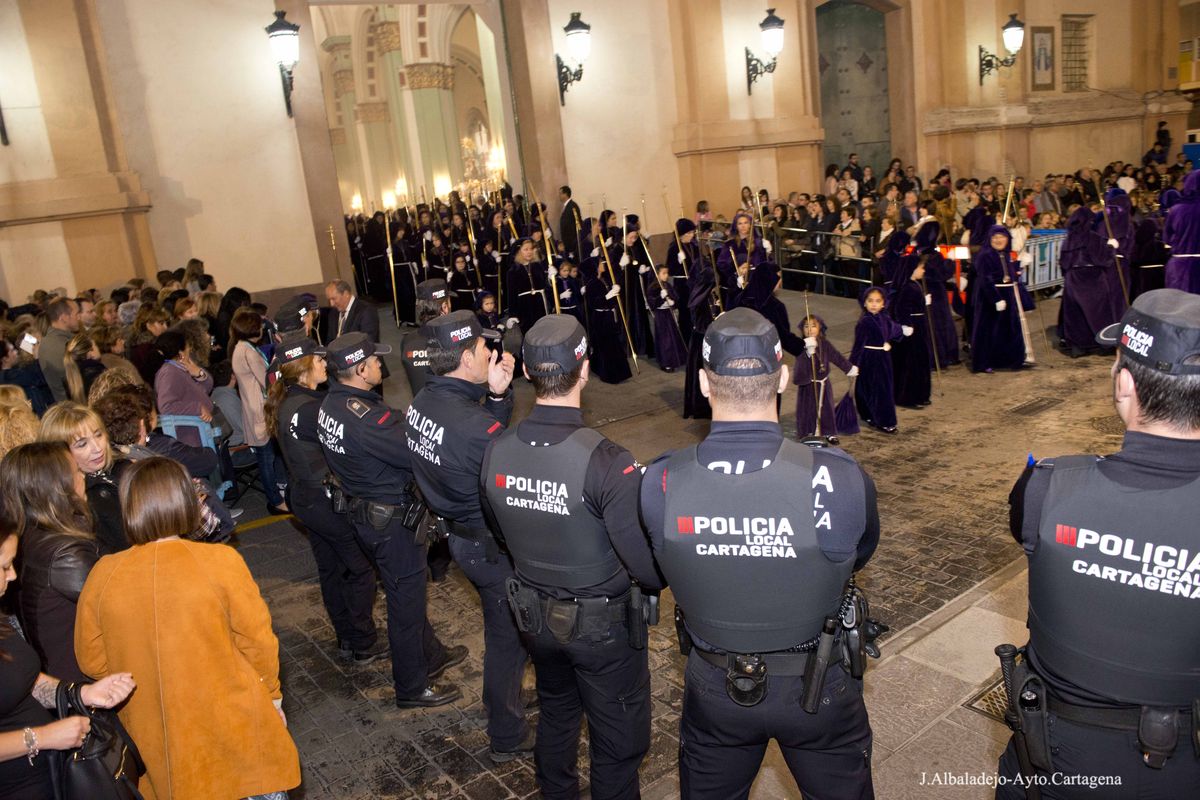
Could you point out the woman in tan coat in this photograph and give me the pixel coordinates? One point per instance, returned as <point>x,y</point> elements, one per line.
<point>250,367</point>
<point>188,620</point>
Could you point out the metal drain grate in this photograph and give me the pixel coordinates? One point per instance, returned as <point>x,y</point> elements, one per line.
<point>1035,406</point>
<point>991,702</point>
<point>1109,425</point>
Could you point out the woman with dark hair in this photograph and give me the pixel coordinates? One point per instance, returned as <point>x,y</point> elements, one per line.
<point>27,693</point>
<point>831,179</point>
<point>149,323</point>
<point>20,368</point>
<point>250,368</point>
<point>46,490</point>
<point>182,386</point>
<point>208,716</point>
<point>233,300</point>
<point>744,251</point>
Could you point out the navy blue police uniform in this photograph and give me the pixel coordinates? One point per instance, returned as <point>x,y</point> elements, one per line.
<point>366,449</point>
<point>1109,693</point>
<point>344,572</point>
<point>757,536</point>
<point>449,425</point>
<point>564,500</point>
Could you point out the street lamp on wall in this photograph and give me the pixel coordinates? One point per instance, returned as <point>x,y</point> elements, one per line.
<point>1013,34</point>
<point>579,47</point>
<point>285,46</point>
<point>772,42</point>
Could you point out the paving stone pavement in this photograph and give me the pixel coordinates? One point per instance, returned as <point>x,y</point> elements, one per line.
<point>943,485</point>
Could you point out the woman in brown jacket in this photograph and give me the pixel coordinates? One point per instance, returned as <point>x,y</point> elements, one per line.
<point>188,620</point>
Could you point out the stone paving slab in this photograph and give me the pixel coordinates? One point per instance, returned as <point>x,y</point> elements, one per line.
<point>943,485</point>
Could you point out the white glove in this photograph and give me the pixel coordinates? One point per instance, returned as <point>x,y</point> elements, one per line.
<point>1114,244</point>
<point>962,283</point>
<point>663,294</point>
<point>1026,258</point>
<point>853,373</point>
<point>512,323</point>
<point>669,304</point>
<point>810,342</point>
<point>928,299</point>
<point>475,261</point>
<point>643,269</point>
<point>613,292</point>
<point>429,236</point>
<point>497,256</point>
<point>608,242</point>
<point>595,252</point>
<point>907,330</point>
<point>1001,305</point>
<point>767,246</point>
<point>565,294</point>
<point>624,262</point>
<point>887,346</point>
<point>680,257</point>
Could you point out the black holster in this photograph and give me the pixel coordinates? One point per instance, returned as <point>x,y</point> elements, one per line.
<point>746,679</point>
<point>1158,733</point>
<point>337,496</point>
<point>638,616</point>
<point>526,607</point>
<point>369,512</point>
<point>681,633</point>
<point>818,664</point>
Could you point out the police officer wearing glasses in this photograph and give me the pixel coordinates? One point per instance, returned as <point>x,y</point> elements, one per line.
<point>759,537</point>
<point>366,450</point>
<point>1109,687</point>
<point>465,405</point>
<point>564,499</point>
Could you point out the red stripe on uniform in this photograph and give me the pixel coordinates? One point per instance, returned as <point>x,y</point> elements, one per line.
<point>664,480</point>
<point>384,417</point>
<point>495,426</point>
<point>627,470</point>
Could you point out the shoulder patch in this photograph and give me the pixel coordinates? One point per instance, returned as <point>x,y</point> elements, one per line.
<point>357,407</point>
<point>495,427</point>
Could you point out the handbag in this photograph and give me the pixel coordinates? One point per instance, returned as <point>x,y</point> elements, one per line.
<point>106,766</point>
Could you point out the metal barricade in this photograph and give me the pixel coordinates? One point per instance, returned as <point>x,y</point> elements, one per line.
<point>1044,245</point>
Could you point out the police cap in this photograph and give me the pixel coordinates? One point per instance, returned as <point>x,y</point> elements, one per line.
<point>450,330</point>
<point>351,349</point>
<point>742,334</point>
<point>557,340</point>
<point>1160,330</point>
<point>433,290</point>
<point>290,316</point>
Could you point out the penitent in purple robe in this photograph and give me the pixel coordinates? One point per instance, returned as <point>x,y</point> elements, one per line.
<point>1182,235</point>
<point>670,350</point>
<point>1089,267</point>
<point>996,339</point>
<point>873,389</point>
<point>938,274</point>
<point>809,391</point>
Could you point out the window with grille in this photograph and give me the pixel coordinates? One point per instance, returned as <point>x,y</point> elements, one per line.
<point>1076,35</point>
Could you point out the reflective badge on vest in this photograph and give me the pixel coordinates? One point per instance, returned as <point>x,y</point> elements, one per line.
<point>1140,565</point>
<point>533,494</point>
<point>418,358</point>
<point>425,436</point>
<point>769,537</point>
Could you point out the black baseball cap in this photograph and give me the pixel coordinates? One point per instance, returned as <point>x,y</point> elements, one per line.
<point>434,289</point>
<point>557,339</point>
<point>1160,330</point>
<point>296,348</point>
<point>451,330</point>
<point>354,348</point>
<point>742,333</point>
<point>290,316</point>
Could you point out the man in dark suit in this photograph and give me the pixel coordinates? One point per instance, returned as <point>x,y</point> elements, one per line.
<point>349,314</point>
<point>567,232</point>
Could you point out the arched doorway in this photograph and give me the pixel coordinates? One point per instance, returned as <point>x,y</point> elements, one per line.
<point>852,61</point>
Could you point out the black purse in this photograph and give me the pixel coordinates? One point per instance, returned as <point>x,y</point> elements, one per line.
<point>106,766</point>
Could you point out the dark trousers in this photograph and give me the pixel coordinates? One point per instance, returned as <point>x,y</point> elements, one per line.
<point>722,744</point>
<point>271,472</point>
<point>608,681</point>
<point>343,569</point>
<point>504,656</point>
<point>401,566</point>
<point>1102,755</point>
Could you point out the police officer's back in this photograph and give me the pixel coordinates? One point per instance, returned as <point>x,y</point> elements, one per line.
<point>433,300</point>
<point>464,405</point>
<point>757,536</point>
<point>366,449</point>
<point>1111,689</point>
<point>564,499</point>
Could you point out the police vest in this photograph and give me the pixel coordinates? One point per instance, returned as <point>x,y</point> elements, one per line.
<point>305,460</point>
<point>414,354</point>
<point>536,494</point>
<point>741,553</point>
<point>1114,585</point>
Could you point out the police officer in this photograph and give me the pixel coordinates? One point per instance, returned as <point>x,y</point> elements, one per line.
<point>564,499</point>
<point>345,573</point>
<point>464,405</point>
<point>433,300</point>
<point>365,449</point>
<point>1111,686</point>
<point>758,537</point>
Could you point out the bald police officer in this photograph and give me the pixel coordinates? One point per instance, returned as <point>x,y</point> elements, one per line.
<point>1110,687</point>
<point>465,404</point>
<point>366,449</point>
<point>564,499</point>
<point>758,537</point>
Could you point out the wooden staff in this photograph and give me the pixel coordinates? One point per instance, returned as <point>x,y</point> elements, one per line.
<point>333,246</point>
<point>387,234</point>
<point>675,230</point>
<point>471,245</point>
<point>1030,358</point>
<point>716,290</point>
<point>818,398</point>
<point>1108,227</point>
<point>552,273</point>
<point>937,366</point>
<point>620,306</point>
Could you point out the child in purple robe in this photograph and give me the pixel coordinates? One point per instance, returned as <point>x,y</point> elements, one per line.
<point>818,355</point>
<point>669,348</point>
<point>873,337</point>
